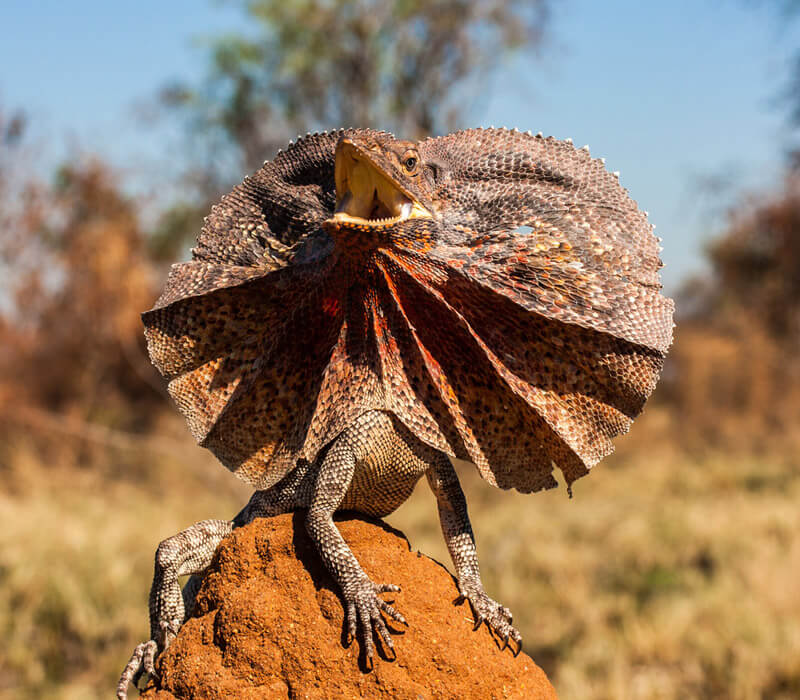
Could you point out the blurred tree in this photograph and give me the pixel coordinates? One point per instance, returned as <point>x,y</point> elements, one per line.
<point>411,66</point>
<point>755,261</point>
<point>789,11</point>
<point>756,264</point>
<point>18,206</point>
<point>734,376</point>
<point>76,277</point>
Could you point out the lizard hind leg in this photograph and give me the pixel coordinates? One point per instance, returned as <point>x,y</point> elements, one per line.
<point>189,553</point>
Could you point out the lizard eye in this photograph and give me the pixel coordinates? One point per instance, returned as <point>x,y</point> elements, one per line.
<point>410,163</point>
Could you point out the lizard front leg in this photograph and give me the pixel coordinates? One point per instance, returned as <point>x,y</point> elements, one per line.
<point>460,541</point>
<point>362,604</point>
<point>188,552</point>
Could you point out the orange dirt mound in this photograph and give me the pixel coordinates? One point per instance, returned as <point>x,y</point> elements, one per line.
<point>268,623</point>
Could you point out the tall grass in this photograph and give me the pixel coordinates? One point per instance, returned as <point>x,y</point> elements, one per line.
<point>666,576</point>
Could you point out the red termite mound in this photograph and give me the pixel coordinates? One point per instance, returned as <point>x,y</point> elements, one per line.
<point>268,623</point>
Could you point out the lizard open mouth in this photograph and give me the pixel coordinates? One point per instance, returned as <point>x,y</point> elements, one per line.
<point>366,196</point>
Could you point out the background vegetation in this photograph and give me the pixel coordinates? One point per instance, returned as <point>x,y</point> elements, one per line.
<point>672,574</point>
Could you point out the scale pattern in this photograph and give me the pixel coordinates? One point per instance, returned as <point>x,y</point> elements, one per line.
<point>520,327</point>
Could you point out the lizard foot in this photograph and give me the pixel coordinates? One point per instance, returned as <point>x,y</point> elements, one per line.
<point>496,616</point>
<point>365,607</point>
<point>142,660</point>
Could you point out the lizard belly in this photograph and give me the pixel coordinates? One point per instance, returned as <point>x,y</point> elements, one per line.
<point>389,462</point>
<point>379,489</point>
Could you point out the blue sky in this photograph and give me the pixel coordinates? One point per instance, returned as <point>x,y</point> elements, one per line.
<point>669,93</point>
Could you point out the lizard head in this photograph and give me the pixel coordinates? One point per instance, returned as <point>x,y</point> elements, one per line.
<point>380,182</point>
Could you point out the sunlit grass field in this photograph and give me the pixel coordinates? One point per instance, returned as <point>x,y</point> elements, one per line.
<point>666,576</point>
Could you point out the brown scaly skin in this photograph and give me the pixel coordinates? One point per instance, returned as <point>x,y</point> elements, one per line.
<point>361,309</point>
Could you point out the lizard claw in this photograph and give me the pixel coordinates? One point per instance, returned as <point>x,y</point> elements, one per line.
<point>496,616</point>
<point>365,608</point>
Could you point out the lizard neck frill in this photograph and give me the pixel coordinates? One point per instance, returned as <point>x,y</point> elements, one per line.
<point>355,247</point>
<point>511,317</point>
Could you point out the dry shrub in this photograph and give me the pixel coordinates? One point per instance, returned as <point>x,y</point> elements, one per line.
<point>82,300</point>
<point>756,264</point>
<point>733,378</point>
<point>732,389</point>
<point>76,276</point>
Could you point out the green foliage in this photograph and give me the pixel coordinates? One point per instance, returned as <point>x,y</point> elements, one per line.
<point>405,65</point>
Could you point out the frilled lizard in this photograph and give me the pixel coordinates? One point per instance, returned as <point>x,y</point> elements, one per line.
<point>362,309</point>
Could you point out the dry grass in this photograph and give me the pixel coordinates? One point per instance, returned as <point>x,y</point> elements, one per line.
<point>664,577</point>
<point>76,558</point>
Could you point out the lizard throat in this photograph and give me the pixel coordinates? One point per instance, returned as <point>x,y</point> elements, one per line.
<point>365,196</point>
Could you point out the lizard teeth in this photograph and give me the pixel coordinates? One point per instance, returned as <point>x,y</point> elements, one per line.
<point>342,212</point>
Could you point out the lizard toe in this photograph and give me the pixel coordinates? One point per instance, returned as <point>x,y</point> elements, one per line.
<point>366,609</point>
<point>496,616</point>
<point>141,661</point>
<point>149,658</point>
